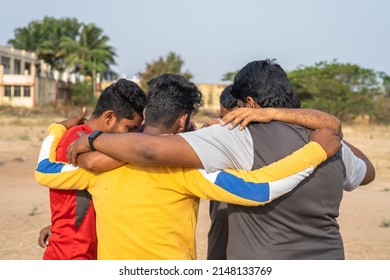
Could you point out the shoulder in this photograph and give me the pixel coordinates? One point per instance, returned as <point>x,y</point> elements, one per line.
<point>72,133</point>
<point>278,130</point>
<point>220,147</point>
<point>216,131</point>
<point>279,125</point>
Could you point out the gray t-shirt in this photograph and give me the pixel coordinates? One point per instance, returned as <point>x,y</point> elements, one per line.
<point>299,225</point>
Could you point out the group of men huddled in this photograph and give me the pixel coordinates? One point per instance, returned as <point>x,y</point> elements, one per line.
<point>274,173</point>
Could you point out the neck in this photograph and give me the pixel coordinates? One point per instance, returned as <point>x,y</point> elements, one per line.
<point>155,130</point>
<point>94,124</point>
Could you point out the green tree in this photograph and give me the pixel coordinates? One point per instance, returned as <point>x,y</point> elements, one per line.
<point>229,76</point>
<point>382,108</point>
<point>66,44</point>
<point>89,53</point>
<point>44,37</point>
<point>78,96</point>
<point>172,63</point>
<point>27,38</point>
<point>385,83</point>
<point>345,90</point>
<point>50,49</point>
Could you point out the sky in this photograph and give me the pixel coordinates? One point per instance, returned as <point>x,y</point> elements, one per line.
<point>218,36</point>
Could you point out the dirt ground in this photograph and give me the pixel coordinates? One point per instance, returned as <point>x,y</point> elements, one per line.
<point>24,205</point>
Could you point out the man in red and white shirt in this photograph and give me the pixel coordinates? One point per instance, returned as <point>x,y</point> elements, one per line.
<point>73,223</point>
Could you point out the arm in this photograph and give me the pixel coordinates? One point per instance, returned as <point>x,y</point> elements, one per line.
<point>261,186</point>
<point>139,148</point>
<point>58,175</point>
<point>359,169</point>
<point>212,122</point>
<point>309,118</point>
<point>94,162</point>
<point>370,173</point>
<point>44,234</point>
<point>144,149</point>
<point>97,162</point>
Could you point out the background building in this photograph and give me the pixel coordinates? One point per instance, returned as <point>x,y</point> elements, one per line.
<point>26,81</point>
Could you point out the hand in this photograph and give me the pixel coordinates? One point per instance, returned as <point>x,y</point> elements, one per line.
<point>214,121</point>
<point>77,147</point>
<point>191,126</point>
<point>244,116</point>
<point>76,120</point>
<point>328,140</point>
<point>44,234</point>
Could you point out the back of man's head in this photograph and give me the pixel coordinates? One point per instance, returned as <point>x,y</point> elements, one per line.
<point>267,83</point>
<point>226,98</point>
<point>124,98</point>
<point>170,97</point>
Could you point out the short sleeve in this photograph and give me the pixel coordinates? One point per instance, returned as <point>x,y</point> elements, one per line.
<point>220,148</point>
<point>355,168</point>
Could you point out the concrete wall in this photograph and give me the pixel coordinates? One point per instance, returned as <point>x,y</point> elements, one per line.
<point>211,93</point>
<point>47,91</point>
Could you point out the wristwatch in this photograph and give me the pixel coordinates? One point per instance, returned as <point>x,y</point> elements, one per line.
<point>92,138</point>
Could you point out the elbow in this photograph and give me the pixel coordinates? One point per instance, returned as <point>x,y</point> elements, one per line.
<point>39,178</point>
<point>149,154</point>
<point>93,169</point>
<point>88,162</point>
<point>90,165</point>
<point>370,176</point>
<point>338,126</point>
<point>370,173</point>
<point>36,176</point>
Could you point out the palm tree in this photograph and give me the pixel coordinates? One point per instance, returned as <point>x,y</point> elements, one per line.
<point>27,38</point>
<point>50,49</point>
<point>44,37</point>
<point>89,53</point>
<point>63,45</point>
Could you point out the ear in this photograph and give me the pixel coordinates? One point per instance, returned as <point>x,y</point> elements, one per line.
<point>251,103</point>
<point>182,123</point>
<point>144,115</point>
<point>109,117</point>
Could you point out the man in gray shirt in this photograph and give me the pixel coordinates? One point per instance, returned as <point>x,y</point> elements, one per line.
<point>302,224</point>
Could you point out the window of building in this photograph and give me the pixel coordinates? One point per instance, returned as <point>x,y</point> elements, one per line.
<point>27,67</point>
<point>7,91</point>
<point>26,91</point>
<point>17,91</point>
<point>17,67</point>
<point>6,63</point>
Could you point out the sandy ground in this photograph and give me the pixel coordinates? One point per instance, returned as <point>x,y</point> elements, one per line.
<point>24,208</point>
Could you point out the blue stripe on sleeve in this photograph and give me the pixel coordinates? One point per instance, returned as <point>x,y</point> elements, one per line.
<point>45,166</point>
<point>254,191</point>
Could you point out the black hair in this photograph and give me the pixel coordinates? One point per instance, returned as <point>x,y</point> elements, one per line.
<point>171,96</point>
<point>226,98</point>
<point>124,98</point>
<point>267,83</point>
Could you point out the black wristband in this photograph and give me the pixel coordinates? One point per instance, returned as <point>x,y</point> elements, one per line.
<point>92,138</point>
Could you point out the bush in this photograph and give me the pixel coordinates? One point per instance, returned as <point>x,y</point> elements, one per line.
<point>81,94</point>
